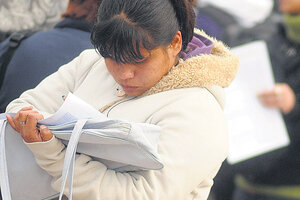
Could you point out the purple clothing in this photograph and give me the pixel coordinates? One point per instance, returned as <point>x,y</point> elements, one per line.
<point>211,26</point>
<point>198,45</point>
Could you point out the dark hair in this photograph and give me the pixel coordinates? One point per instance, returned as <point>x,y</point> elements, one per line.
<point>83,10</point>
<point>124,26</point>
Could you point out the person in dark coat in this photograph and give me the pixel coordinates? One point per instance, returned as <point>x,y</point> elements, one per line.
<point>277,175</point>
<point>274,175</point>
<point>44,52</point>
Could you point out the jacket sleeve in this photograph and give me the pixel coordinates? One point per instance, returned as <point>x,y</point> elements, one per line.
<point>192,145</point>
<point>295,113</point>
<point>46,97</point>
<point>294,82</point>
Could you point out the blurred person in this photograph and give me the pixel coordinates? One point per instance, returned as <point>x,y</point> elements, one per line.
<point>217,23</point>
<point>19,15</point>
<point>231,21</point>
<point>243,11</point>
<point>168,76</point>
<point>277,175</point>
<point>44,52</point>
<point>279,168</point>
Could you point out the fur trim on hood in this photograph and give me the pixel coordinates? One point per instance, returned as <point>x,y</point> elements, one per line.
<point>216,69</point>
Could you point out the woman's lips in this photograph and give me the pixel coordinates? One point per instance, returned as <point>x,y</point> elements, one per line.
<point>128,87</point>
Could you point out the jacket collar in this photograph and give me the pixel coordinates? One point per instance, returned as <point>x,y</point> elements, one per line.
<point>198,45</point>
<point>218,68</point>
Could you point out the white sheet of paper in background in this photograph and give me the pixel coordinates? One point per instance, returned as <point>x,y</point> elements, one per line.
<point>253,129</point>
<point>73,109</point>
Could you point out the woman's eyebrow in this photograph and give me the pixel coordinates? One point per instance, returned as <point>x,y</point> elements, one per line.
<point>145,58</point>
<point>142,60</point>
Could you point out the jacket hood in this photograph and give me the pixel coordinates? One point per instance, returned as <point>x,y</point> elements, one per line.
<point>200,67</point>
<point>199,45</point>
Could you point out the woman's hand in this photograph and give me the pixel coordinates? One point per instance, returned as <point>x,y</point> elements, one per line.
<point>25,122</point>
<point>281,97</point>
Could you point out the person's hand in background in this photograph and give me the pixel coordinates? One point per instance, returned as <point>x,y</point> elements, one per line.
<point>281,97</point>
<point>289,6</point>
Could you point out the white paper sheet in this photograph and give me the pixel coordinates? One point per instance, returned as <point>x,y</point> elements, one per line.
<point>72,110</point>
<point>253,129</point>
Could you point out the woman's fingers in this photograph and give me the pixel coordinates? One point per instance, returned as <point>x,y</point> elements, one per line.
<point>269,98</point>
<point>29,131</point>
<point>11,122</point>
<point>14,121</point>
<point>21,117</point>
<point>24,114</point>
<point>281,96</point>
<point>269,101</point>
<point>46,134</point>
<point>19,120</point>
<point>25,109</point>
<point>25,122</point>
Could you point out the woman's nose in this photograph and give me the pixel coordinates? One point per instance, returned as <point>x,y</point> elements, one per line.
<point>126,72</point>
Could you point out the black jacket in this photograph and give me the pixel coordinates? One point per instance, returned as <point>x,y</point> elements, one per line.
<point>282,167</point>
<point>42,54</point>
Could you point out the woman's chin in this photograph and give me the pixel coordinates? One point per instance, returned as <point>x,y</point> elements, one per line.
<point>133,93</point>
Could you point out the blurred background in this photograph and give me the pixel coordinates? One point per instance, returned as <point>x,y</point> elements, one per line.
<point>272,176</point>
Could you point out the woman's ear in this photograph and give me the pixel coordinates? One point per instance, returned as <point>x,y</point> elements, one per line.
<point>176,44</point>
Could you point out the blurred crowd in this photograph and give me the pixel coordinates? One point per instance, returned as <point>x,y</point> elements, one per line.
<point>273,176</point>
<point>16,15</point>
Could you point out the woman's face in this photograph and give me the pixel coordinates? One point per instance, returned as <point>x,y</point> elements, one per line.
<point>135,79</point>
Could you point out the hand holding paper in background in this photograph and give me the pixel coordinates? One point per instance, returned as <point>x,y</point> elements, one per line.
<point>253,128</point>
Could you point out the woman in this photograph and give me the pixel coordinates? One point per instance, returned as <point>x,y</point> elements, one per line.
<point>140,77</point>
